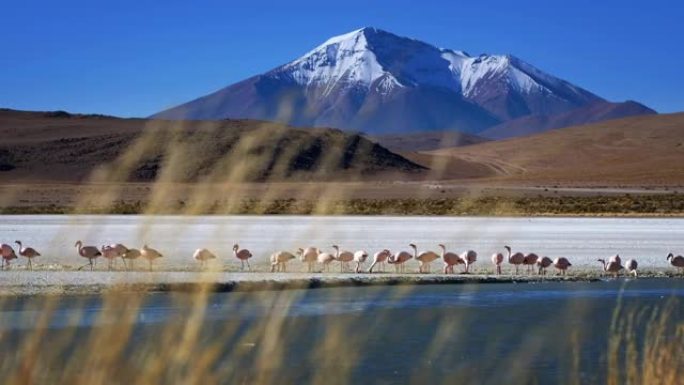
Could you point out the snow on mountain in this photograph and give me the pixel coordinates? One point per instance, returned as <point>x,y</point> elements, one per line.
<point>376,81</point>
<point>345,58</point>
<point>350,59</point>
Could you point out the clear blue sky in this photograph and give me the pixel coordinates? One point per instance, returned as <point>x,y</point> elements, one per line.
<point>134,58</point>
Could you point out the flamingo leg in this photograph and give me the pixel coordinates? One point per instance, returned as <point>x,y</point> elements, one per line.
<point>248,266</point>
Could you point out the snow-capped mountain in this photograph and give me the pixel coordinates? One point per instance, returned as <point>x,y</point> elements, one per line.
<point>377,82</point>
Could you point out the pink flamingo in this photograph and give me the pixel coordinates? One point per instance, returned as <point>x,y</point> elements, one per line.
<point>399,260</point>
<point>343,257</point>
<point>325,259</point>
<point>309,256</point>
<point>7,255</point>
<point>515,259</point>
<point>631,266</point>
<point>360,257</point>
<point>279,260</point>
<point>530,260</point>
<point>203,256</point>
<point>450,260</point>
<point>112,252</point>
<point>562,264</point>
<point>243,255</point>
<point>150,254</point>
<point>497,260</point>
<point>425,258</point>
<point>131,255</point>
<point>379,258</point>
<point>89,252</point>
<point>543,264</point>
<point>27,252</point>
<point>677,261</point>
<point>611,267</point>
<point>469,257</point>
<point>616,258</point>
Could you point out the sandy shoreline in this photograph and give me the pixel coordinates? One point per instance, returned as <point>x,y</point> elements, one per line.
<point>27,283</point>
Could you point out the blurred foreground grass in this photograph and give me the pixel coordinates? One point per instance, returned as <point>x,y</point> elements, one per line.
<point>127,345</point>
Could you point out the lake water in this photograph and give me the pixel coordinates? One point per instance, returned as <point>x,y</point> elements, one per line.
<point>496,333</point>
<point>580,239</point>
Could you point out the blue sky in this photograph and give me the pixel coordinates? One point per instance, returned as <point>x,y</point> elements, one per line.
<point>134,58</point>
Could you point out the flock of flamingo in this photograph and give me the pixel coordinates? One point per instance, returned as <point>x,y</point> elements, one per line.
<point>312,256</point>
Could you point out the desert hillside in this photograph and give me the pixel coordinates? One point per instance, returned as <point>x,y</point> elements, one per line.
<point>58,146</point>
<point>426,141</point>
<point>643,150</point>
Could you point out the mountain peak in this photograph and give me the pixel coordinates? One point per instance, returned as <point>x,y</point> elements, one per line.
<point>373,80</point>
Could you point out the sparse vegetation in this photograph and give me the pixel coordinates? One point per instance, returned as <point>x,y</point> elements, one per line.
<point>637,205</point>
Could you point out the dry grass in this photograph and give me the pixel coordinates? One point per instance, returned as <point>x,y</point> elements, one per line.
<point>190,348</point>
<point>644,346</point>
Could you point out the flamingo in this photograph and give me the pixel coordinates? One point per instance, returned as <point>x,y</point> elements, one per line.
<point>7,255</point>
<point>203,256</point>
<point>360,257</point>
<point>631,266</point>
<point>28,252</point>
<point>450,260</point>
<point>611,266</point>
<point>309,256</point>
<point>497,260</point>
<point>325,259</point>
<point>344,257</point>
<point>616,258</point>
<point>150,254</point>
<point>279,260</point>
<point>111,252</point>
<point>469,257</point>
<point>120,250</point>
<point>542,264</point>
<point>515,259</point>
<point>677,261</point>
<point>399,260</point>
<point>562,264</point>
<point>243,255</point>
<point>379,258</point>
<point>90,252</point>
<point>530,260</point>
<point>131,255</point>
<point>425,258</point>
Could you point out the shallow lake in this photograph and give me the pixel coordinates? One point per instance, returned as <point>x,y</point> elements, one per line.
<point>494,333</point>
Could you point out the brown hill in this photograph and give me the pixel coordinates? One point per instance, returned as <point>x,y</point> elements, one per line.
<point>642,150</point>
<point>426,141</point>
<point>58,146</point>
<point>596,112</point>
